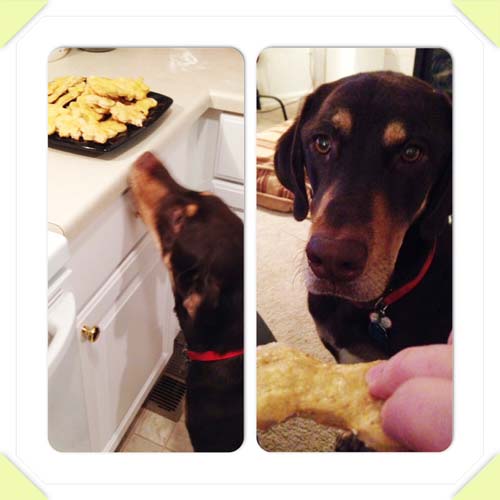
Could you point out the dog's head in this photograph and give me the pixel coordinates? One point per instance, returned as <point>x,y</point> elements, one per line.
<point>200,239</point>
<point>376,148</point>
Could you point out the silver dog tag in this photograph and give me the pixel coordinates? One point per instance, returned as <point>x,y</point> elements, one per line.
<point>379,327</point>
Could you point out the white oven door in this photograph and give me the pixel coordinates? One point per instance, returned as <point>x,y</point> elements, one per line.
<point>67,416</point>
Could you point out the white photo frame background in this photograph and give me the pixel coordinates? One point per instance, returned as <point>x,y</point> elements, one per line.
<point>250,464</point>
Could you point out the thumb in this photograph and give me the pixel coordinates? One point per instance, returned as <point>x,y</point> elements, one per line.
<point>420,414</point>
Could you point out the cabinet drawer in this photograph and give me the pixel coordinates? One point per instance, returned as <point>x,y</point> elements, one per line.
<point>98,251</point>
<point>132,312</point>
<point>230,153</point>
<point>233,194</point>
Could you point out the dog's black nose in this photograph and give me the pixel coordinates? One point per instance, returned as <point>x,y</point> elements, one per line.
<point>336,259</point>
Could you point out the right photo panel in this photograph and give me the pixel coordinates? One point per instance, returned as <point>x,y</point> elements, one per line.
<point>354,249</point>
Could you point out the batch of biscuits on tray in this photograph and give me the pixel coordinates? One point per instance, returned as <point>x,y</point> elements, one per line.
<point>95,108</point>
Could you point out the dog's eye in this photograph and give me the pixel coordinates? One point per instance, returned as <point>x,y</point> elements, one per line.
<point>323,144</point>
<point>411,153</point>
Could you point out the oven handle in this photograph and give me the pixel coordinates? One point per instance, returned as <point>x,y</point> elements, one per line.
<point>61,329</point>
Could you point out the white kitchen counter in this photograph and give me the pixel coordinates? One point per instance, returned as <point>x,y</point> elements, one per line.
<point>80,187</point>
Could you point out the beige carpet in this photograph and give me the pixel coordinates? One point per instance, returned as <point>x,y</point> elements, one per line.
<point>282,304</point>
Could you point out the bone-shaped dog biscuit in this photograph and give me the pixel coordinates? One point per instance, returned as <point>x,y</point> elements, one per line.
<point>53,112</point>
<point>72,93</point>
<point>59,86</point>
<point>291,383</point>
<point>101,132</point>
<point>81,107</point>
<point>134,114</point>
<point>128,88</point>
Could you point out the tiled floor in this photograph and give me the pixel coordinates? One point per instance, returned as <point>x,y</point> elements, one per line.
<point>151,432</point>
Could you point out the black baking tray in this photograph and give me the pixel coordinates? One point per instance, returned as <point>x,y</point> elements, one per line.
<point>94,148</point>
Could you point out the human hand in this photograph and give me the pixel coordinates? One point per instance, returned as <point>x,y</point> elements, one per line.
<point>417,384</point>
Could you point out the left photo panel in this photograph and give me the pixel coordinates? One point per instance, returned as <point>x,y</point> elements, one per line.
<point>145,249</point>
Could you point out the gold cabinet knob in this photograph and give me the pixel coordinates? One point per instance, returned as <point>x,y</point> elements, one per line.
<point>90,333</point>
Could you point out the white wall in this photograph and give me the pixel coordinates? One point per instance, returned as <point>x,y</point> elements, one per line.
<point>344,62</point>
<point>290,73</point>
<point>284,73</point>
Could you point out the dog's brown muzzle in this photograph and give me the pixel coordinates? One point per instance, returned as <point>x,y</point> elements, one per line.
<point>337,260</point>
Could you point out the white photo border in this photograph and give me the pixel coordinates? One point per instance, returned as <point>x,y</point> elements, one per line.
<point>250,464</point>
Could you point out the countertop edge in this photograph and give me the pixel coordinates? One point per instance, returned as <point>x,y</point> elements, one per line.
<point>230,103</point>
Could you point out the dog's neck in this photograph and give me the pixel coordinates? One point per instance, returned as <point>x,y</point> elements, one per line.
<point>217,328</point>
<point>412,256</point>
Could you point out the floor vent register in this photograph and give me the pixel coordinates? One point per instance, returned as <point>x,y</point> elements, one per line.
<point>167,396</point>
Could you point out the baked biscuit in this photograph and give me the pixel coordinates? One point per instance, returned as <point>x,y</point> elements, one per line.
<point>68,125</point>
<point>135,113</point>
<point>80,109</point>
<point>59,86</point>
<point>53,112</point>
<point>97,103</point>
<point>144,105</point>
<point>96,109</point>
<point>126,88</point>
<point>291,383</point>
<point>101,132</point>
<point>72,93</point>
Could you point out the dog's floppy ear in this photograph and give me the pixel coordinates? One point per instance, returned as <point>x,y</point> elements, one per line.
<point>289,167</point>
<point>289,157</point>
<point>439,207</point>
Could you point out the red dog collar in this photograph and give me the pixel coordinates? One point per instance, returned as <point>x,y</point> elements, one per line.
<point>380,324</point>
<point>212,355</point>
<point>405,289</point>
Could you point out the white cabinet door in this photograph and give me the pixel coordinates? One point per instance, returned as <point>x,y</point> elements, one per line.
<point>132,312</point>
<point>229,167</point>
<point>230,155</point>
<point>233,194</point>
<point>105,243</point>
<point>210,156</point>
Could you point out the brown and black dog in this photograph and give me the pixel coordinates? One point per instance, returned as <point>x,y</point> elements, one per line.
<point>201,243</point>
<point>376,149</point>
